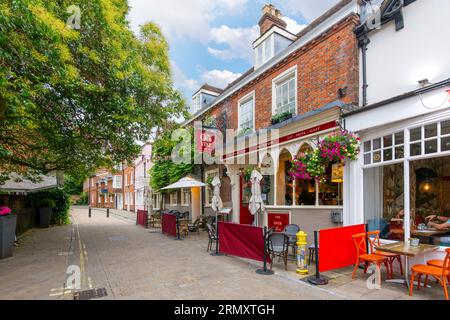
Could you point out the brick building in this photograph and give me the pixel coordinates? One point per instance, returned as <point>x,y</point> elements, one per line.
<point>123,187</point>
<point>293,95</point>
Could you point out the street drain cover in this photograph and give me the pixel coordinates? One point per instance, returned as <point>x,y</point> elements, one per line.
<point>90,294</point>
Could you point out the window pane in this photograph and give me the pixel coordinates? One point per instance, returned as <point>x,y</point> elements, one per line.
<point>305,192</point>
<point>377,144</point>
<point>415,134</point>
<point>387,140</point>
<point>445,127</point>
<point>377,156</point>
<point>367,146</point>
<point>387,154</point>
<point>399,153</point>
<point>399,138</point>
<point>430,146</point>
<point>431,130</point>
<point>268,44</point>
<point>367,158</point>
<point>330,193</point>
<point>445,144</point>
<point>416,149</point>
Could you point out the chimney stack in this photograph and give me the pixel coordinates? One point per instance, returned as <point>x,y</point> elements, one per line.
<point>271,16</point>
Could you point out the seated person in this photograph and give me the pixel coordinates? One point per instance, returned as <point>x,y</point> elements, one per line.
<point>444,222</point>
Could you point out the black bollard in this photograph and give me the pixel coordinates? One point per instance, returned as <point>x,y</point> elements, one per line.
<point>107,212</point>
<point>90,212</point>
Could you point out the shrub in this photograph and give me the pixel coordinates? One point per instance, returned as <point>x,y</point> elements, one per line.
<point>45,203</point>
<point>84,198</point>
<point>60,214</point>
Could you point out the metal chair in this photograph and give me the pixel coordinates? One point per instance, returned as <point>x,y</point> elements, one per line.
<point>195,226</point>
<point>292,229</point>
<point>211,236</point>
<point>278,246</point>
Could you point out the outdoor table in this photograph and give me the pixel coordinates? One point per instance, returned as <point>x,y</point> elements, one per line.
<point>429,234</point>
<point>408,251</point>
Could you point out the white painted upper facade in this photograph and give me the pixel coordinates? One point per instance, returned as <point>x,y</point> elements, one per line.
<point>397,60</point>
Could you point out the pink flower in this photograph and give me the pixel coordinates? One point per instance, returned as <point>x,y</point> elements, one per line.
<point>4,211</point>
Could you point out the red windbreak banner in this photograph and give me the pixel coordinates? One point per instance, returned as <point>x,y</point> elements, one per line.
<point>241,241</point>
<point>169,224</point>
<point>336,247</point>
<point>142,217</point>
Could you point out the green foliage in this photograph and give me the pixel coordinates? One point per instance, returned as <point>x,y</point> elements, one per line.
<point>73,185</point>
<point>164,170</point>
<point>278,118</point>
<point>84,199</point>
<point>45,203</point>
<point>60,214</point>
<point>75,100</point>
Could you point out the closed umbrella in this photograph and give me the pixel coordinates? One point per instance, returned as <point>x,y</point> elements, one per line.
<point>256,205</point>
<point>216,205</point>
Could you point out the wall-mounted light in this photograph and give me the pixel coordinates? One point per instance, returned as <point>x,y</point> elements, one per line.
<point>426,186</point>
<point>424,82</point>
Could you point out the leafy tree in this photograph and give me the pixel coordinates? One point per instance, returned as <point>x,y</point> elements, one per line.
<point>164,171</point>
<point>73,185</point>
<point>74,100</point>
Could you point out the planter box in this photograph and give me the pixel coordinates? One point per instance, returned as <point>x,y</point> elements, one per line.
<point>45,214</point>
<point>7,235</point>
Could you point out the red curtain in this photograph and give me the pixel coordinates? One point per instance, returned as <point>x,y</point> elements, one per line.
<point>169,224</point>
<point>336,247</point>
<point>241,241</point>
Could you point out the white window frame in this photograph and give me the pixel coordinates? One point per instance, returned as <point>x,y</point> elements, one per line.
<point>173,199</point>
<point>281,79</point>
<point>116,179</point>
<point>262,44</point>
<point>212,172</point>
<point>243,100</point>
<point>184,201</point>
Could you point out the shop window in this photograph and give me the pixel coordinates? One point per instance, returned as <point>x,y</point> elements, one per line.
<point>285,184</point>
<point>305,189</point>
<point>173,199</point>
<point>185,197</point>
<point>330,191</point>
<point>384,149</point>
<point>268,182</point>
<point>430,139</point>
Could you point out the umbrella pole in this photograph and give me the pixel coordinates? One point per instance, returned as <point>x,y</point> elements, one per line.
<point>217,253</point>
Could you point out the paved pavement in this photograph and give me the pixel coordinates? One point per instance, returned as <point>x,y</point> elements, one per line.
<point>134,263</point>
<point>131,262</point>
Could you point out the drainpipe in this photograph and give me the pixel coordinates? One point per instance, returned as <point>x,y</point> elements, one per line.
<point>363,42</point>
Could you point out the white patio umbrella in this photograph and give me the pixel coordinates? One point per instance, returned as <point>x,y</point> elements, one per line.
<point>216,204</point>
<point>256,205</point>
<point>186,182</point>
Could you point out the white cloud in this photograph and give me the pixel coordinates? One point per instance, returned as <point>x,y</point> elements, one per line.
<point>219,78</point>
<point>293,26</point>
<point>180,18</point>
<point>181,81</point>
<point>238,42</point>
<point>308,9</point>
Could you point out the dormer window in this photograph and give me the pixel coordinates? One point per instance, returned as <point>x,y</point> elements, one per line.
<point>273,35</point>
<point>204,97</point>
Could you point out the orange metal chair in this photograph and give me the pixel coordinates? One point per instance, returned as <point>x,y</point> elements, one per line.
<point>441,274</point>
<point>374,241</point>
<point>436,263</point>
<point>367,258</point>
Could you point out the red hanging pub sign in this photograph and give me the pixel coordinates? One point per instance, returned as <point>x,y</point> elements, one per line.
<point>206,140</point>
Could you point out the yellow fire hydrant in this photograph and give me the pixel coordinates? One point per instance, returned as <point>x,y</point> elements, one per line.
<point>302,267</point>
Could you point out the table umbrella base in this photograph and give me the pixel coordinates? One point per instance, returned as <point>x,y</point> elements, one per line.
<point>264,272</point>
<point>178,239</point>
<point>317,281</point>
<point>217,254</point>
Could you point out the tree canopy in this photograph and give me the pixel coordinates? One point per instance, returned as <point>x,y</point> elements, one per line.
<point>165,171</point>
<point>74,100</point>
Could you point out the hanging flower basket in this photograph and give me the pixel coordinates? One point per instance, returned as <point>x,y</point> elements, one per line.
<point>335,148</point>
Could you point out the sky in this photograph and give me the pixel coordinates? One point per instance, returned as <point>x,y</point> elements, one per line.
<point>210,40</point>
